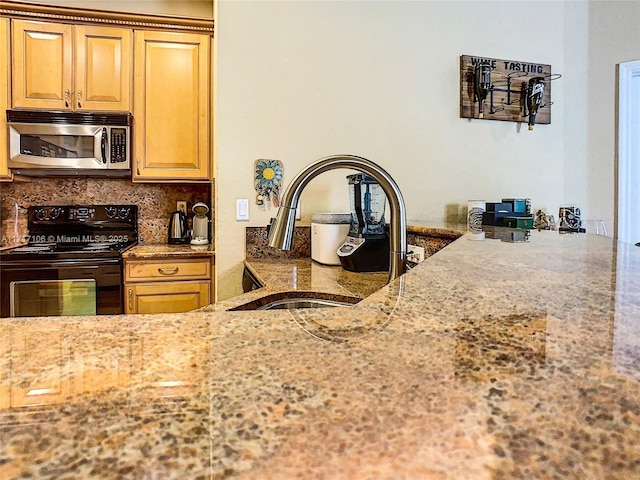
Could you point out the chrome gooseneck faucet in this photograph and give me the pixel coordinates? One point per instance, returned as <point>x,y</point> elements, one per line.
<point>281,232</point>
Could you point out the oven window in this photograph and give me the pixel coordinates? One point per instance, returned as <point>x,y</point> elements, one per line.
<point>57,146</point>
<point>39,298</point>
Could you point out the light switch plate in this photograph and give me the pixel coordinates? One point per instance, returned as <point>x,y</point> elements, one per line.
<point>242,209</point>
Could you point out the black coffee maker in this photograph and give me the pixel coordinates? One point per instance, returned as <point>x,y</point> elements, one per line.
<point>366,248</point>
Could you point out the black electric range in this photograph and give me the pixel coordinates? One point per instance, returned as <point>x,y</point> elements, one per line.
<point>72,263</point>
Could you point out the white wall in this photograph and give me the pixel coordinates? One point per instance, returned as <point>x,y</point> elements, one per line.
<point>297,81</point>
<point>614,37</point>
<point>575,81</point>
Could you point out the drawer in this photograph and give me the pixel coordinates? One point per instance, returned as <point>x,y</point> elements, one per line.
<point>167,270</point>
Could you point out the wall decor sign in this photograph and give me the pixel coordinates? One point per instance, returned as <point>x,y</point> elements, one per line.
<point>508,90</point>
<point>268,181</point>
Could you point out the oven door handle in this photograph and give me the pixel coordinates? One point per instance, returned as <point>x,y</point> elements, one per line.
<point>103,145</point>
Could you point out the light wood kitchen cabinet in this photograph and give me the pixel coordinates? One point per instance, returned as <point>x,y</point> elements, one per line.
<point>71,67</point>
<point>171,107</point>
<point>167,285</point>
<point>4,96</point>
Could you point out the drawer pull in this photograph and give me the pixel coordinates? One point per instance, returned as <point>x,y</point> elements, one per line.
<point>168,271</point>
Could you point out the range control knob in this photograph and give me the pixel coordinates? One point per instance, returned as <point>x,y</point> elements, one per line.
<point>54,212</point>
<point>40,214</point>
<point>111,211</point>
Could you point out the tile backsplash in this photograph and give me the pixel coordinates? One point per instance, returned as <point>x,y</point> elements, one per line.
<point>155,202</point>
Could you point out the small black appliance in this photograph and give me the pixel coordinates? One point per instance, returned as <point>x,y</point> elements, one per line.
<point>366,248</point>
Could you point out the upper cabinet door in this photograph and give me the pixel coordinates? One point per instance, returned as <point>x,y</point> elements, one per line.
<point>102,68</point>
<point>171,106</point>
<point>66,67</point>
<point>42,65</point>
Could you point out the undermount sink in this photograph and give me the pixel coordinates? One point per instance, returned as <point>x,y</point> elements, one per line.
<point>290,303</point>
<point>294,300</point>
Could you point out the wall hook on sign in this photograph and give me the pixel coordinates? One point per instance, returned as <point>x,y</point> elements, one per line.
<point>268,182</point>
<point>496,87</point>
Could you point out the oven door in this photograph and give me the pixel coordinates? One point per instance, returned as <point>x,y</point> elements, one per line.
<point>61,288</point>
<point>40,298</point>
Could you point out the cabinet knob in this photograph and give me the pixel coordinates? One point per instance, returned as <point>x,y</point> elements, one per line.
<point>138,166</point>
<point>130,295</point>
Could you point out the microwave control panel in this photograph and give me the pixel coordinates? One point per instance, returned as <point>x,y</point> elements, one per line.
<point>118,145</point>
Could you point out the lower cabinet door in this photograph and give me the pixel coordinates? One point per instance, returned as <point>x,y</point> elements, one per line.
<point>166,297</point>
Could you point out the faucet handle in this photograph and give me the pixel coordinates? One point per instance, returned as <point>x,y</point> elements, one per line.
<point>271,220</point>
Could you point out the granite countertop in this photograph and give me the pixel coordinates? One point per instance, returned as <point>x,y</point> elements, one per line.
<point>490,360</point>
<point>163,250</point>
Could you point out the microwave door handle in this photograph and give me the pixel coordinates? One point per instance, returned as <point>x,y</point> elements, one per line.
<point>103,145</point>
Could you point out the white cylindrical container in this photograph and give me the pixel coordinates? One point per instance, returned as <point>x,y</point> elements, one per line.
<point>328,233</point>
<point>475,209</point>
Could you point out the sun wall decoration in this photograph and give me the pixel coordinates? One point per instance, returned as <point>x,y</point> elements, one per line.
<point>268,181</point>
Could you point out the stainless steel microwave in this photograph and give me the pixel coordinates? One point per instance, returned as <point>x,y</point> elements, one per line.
<point>44,143</point>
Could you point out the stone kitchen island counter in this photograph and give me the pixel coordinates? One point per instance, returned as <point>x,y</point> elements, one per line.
<point>490,360</point>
